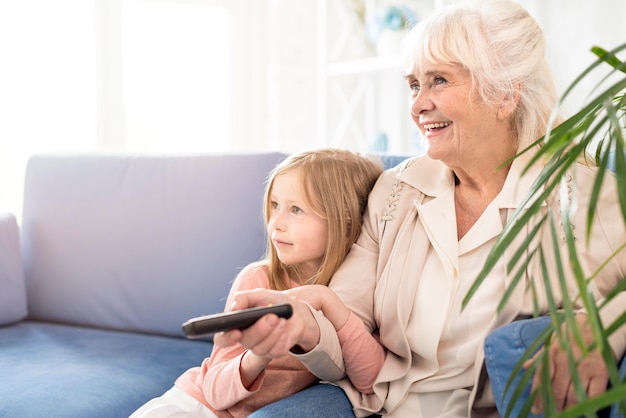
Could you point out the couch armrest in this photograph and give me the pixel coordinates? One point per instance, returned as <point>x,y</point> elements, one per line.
<point>12,283</point>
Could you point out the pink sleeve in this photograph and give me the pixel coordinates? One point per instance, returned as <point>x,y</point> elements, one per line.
<point>222,386</point>
<point>221,381</point>
<point>363,354</point>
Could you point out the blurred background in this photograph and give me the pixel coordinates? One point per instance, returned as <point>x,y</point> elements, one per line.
<point>215,76</point>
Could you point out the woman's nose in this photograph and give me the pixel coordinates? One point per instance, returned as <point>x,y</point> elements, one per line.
<point>420,103</point>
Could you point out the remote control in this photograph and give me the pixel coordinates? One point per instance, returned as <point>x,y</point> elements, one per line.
<point>202,326</point>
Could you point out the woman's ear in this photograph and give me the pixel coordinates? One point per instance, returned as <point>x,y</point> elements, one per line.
<point>509,104</point>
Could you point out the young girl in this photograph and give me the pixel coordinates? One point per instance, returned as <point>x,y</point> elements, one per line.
<point>314,203</point>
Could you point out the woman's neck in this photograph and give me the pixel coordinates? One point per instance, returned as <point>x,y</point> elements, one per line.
<point>474,191</point>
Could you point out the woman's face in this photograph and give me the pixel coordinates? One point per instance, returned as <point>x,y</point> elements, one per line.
<point>458,127</point>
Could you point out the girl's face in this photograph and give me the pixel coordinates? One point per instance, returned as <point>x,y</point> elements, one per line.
<point>297,232</point>
<point>458,128</point>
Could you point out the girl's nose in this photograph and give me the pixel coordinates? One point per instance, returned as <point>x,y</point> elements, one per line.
<point>277,223</point>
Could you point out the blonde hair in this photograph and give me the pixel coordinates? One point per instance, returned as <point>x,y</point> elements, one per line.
<point>502,47</point>
<point>337,185</point>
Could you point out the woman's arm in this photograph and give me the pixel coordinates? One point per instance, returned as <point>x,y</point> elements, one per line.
<point>354,284</point>
<point>363,354</point>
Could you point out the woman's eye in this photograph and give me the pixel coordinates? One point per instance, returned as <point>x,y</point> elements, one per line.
<point>439,80</point>
<point>414,87</point>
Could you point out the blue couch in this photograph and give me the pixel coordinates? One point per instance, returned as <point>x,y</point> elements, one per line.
<point>112,254</point>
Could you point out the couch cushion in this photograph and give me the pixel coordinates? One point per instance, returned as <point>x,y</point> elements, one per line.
<point>137,242</point>
<point>390,161</point>
<point>65,371</point>
<point>12,287</point>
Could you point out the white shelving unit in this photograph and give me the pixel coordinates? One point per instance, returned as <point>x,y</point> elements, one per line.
<point>362,96</point>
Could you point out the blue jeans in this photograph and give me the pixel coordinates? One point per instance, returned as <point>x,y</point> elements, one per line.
<point>503,348</point>
<point>321,400</point>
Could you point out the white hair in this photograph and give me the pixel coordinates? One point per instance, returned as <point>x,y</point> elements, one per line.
<point>502,47</point>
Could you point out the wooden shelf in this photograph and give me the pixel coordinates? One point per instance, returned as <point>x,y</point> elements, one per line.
<point>361,95</point>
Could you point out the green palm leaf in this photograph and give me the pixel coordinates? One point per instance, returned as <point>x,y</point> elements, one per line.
<point>595,133</point>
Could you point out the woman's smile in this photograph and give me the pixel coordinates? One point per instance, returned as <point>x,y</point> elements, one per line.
<point>435,128</point>
<point>436,125</point>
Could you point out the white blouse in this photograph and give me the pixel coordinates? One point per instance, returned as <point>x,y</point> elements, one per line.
<point>446,279</point>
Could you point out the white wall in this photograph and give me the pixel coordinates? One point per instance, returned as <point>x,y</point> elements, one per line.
<point>292,74</point>
<point>571,28</point>
<point>276,86</point>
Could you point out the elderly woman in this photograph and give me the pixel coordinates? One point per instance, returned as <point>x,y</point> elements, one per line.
<point>480,91</point>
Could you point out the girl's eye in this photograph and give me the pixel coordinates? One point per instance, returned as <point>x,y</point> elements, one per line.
<point>296,210</point>
<point>274,205</point>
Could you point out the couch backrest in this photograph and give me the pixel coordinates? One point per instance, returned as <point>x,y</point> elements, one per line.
<point>12,285</point>
<point>139,243</point>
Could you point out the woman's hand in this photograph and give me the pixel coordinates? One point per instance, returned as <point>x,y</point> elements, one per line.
<point>271,336</point>
<point>592,371</point>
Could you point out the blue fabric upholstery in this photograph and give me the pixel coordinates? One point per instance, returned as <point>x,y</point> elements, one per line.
<point>503,348</point>
<point>65,371</point>
<point>390,161</point>
<point>139,243</point>
<point>321,400</point>
<point>118,251</point>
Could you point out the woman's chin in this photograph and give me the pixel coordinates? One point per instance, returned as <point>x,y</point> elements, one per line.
<point>433,152</point>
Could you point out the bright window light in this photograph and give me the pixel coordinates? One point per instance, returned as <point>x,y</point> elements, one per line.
<point>47,85</point>
<point>176,71</point>
<point>61,86</point>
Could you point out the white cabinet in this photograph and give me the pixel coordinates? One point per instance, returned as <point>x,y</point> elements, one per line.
<point>363,98</point>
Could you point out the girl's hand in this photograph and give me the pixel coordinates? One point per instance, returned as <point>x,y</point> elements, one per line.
<point>271,336</point>
<point>315,295</point>
<point>322,298</point>
<point>251,367</point>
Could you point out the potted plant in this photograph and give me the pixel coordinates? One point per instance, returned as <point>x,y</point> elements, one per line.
<point>596,133</point>
<point>387,27</point>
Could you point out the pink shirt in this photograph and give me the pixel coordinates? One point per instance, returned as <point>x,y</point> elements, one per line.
<point>217,382</point>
